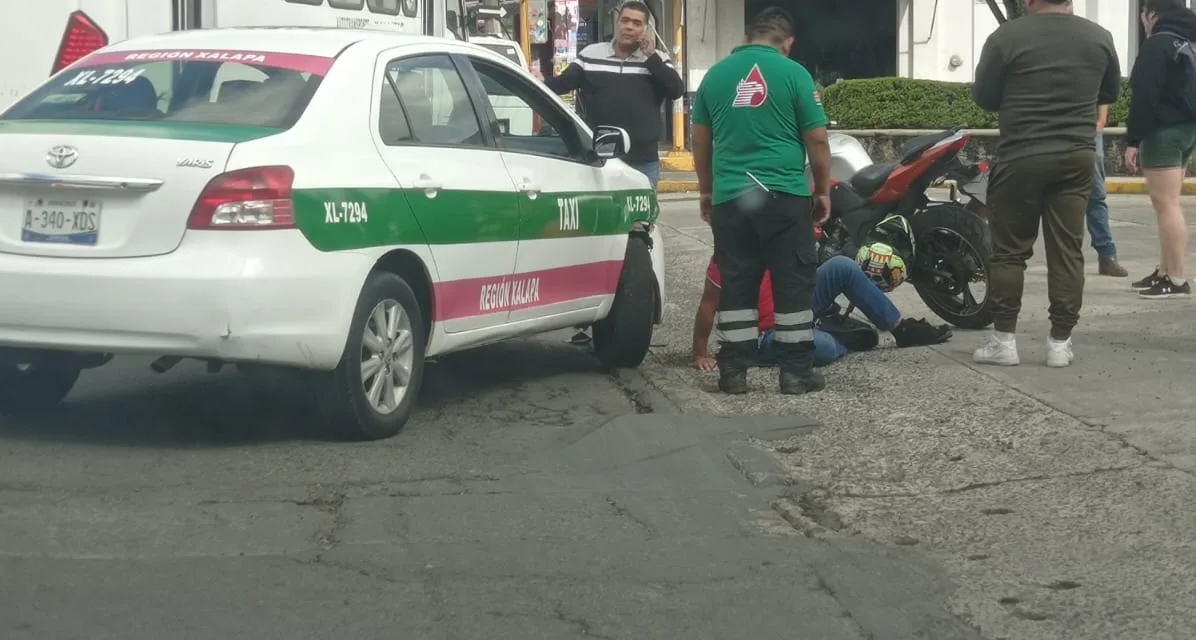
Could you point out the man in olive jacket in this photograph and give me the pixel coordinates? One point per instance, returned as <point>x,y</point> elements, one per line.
<point>1044,74</point>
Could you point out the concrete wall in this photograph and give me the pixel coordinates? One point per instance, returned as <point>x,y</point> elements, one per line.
<point>882,146</point>
<point>937,39</point>
<point>712,29</point>
<point>942,39</point>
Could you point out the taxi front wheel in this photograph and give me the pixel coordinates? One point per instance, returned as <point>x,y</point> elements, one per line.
<point>37,381</point>
<point>622,338</point>
<point>372,392</point>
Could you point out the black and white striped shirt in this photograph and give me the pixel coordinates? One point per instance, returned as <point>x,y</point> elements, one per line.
<point>625,92</point>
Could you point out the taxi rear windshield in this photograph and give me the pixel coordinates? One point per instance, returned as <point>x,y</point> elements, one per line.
<point>197,87</point>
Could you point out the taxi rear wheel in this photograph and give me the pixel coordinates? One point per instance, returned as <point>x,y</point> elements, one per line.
<point>36,382</point>
<point>622,338</point>
<point>372,392</point>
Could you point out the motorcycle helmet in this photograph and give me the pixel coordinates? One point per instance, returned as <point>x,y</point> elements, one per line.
<point>887,252</point>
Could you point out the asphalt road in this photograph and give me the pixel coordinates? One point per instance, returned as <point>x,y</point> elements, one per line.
<point>535,496</point>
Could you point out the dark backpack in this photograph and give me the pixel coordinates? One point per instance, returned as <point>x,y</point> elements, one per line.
<point>1183,54</point>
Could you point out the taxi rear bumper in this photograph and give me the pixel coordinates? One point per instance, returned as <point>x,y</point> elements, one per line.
<point>260,296</point>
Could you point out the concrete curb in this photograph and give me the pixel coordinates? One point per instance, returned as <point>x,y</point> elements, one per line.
<point>1122,186</point>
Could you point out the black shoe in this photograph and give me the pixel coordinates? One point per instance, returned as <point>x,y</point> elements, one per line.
<point>793,384</point>
<point>916,332</point>
<point>855,335</point>
<point>1147,282</point>
<point>1165,288</point>
<point>732,382</point>
<point>580,338</point>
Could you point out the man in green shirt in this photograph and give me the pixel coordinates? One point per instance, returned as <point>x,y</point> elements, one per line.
<point>755,115</point>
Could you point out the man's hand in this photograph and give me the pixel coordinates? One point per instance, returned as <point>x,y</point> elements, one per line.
<point>648,44</point>
<point>706,204</point>
<point>822,210</point>
<point>705,363</point>
<point>1131,159</point>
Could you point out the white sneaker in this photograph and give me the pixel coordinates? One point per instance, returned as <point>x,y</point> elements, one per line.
<point>1059,352</point>
<point>999,349</point>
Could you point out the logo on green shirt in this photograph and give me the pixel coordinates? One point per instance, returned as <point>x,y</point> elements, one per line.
<point>752,91</point>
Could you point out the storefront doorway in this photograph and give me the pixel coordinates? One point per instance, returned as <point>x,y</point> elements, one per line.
<point>840,39</point>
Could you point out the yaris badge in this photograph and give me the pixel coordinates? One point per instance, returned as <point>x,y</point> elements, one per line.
<point>62,156</point>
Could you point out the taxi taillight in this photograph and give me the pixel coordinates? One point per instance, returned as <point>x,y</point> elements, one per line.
<point>81,37</point>
<point>251,199</point>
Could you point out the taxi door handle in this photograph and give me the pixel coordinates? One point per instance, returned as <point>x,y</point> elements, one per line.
<point>530,188</point>
<point>429,186</point>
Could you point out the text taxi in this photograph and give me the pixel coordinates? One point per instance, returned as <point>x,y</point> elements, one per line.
<point>337,201</point>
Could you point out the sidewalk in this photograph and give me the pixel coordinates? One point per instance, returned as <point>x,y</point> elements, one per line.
<point>1059,500</point>
<point>687,182</point>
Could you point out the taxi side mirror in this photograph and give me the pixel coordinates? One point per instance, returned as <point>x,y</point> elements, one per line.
<point>611,142</point>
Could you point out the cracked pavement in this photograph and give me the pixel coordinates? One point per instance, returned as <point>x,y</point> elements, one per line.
<point>534,496</point>
<point>1058,501</point>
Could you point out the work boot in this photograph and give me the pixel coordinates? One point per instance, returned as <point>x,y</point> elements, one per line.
<point>916,332</point>
<point>1111,267</point>
<point>732,381</point>
<point>793,384</point>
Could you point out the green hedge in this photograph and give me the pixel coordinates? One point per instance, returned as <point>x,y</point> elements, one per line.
<point>904,103</point>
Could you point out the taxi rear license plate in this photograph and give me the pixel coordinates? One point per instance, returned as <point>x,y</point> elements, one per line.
<point>61,221</point>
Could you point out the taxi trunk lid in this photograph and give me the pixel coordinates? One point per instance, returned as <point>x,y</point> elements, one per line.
<point>105,190</point>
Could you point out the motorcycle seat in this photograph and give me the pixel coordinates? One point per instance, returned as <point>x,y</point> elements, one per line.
<point>868,180</point>
<point>917,146</point>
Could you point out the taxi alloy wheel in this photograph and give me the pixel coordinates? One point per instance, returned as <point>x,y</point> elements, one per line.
<point>372,392</point>
<point>37,382</point>
<point>622,338</point>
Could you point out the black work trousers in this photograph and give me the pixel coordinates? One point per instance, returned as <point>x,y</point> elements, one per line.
<point>757,231</point>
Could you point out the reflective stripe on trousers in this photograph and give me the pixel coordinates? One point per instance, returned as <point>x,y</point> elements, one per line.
<point>737,325</point>
<point>795,328</point>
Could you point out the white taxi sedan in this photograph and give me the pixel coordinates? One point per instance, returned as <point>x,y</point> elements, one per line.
<point>338,201</point>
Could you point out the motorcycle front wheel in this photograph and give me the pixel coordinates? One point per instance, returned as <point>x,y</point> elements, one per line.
<point>953,258</point>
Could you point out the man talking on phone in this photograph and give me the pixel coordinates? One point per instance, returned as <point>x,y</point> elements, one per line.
<point>755,116</point>
<point>624,83</point>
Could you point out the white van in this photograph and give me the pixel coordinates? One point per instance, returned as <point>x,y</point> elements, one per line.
<point>40,37</point>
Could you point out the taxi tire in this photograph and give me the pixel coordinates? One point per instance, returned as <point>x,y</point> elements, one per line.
<point>342,400</point>
<point>41,387</point>
<point>622,338</point>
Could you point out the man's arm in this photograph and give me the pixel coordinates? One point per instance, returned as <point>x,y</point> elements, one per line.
<point>704,322</point>
<point>1110,86</point>
<point>703,143</point>
<point>811,121</point>
<point>569,80</point>
<point>665,76</point>
<point>1146,87</point>
<point>990,77</point>
<point>1102,117</point>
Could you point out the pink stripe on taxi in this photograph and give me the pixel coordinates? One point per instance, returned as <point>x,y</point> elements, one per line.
<point>302,63</point>
<point>485,296</point>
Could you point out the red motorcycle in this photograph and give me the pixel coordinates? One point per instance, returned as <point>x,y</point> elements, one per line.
<point>951,240</point>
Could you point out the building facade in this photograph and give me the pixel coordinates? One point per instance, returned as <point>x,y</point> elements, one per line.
<point>935,39</point>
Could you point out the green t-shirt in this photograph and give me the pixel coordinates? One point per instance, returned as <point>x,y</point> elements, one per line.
<point>758,104</point>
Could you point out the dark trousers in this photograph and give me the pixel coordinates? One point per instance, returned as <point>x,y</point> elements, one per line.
<point>1051,190</point>
<point>758,231</point>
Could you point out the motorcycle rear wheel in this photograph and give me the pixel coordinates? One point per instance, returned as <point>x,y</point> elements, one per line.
<point>953,251</point>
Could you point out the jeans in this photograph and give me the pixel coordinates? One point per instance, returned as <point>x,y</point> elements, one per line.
<point>1098,208</point>
<point>758,231</point>
<point>650,169</point>
<point>840,276</point>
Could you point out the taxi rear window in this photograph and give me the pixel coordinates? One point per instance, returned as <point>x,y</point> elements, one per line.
<point>199,87</point>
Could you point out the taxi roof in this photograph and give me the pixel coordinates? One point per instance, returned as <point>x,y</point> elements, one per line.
<point>317,41</point>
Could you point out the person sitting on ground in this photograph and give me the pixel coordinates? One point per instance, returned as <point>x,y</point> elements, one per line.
<point>837,335</point>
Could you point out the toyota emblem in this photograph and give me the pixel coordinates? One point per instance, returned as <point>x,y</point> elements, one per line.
<point>62,156</point>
